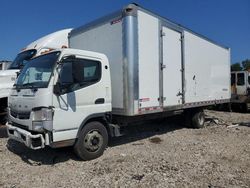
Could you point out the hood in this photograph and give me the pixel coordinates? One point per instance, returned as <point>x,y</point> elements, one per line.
<point>26,99</point>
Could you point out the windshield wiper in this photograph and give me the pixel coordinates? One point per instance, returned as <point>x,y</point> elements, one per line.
<point>29,85</point>
<point>17,85</point>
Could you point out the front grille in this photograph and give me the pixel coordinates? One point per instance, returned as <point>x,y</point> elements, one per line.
<point>19,126</point>
<point>22,115</point>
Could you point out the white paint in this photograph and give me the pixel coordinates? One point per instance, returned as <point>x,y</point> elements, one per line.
<point>148,41</point>
<point>51,41</point>
<point>64,135</point>
<point>111,46</point>
<point>241,89</point>
<point>207,74</point>
<point>7,79</point>
<point>72,108</point>
<point>69,109</point>
<point>172,75</point>
<point>26,99</point>
<point>207,70</point>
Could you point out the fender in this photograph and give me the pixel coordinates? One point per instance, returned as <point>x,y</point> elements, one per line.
<point>102,116</point>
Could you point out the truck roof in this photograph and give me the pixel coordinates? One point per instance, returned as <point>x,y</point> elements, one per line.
<point>75,51</point>
<point>133,8</point>
<point>53,40</point>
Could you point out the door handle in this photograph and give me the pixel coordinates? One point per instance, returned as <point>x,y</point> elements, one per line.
<point>100,101</point>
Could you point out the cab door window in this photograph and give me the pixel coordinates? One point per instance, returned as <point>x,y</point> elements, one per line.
<point>79,73</point>
<point>240,79</point>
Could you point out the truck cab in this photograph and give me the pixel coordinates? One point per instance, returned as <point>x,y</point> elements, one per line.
<point>240,87</point>
<point>56,94</point>
<point>7,77</point>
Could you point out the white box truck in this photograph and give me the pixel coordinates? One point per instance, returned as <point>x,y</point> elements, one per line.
<point>7,77</point>
<point>126,67</point>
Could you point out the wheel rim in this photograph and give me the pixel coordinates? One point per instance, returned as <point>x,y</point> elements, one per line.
<point>93,141</point>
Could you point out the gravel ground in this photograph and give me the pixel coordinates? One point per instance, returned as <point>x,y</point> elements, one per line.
<point>162,154</point>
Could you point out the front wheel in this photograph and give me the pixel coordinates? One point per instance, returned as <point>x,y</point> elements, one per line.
<point>3,120</point>
<point>92,141</point>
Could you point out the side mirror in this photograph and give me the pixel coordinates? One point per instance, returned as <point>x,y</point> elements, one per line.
<point>17,74</point>
<point>57,89</point>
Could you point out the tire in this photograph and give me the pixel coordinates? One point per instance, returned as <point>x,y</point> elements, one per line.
<point>198,120</point>
<point>187,120</point>
<point>244,108</point>
<point>3,119</point>
<point>92,141</point>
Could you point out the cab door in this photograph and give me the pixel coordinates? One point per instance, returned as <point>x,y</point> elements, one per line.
<point>83,92</point>
<point>241,83</point>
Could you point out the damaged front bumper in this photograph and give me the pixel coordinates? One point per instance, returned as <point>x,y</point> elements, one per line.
<point>33,141</point>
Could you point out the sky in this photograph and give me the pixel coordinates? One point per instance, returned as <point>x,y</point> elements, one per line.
<point>225,21</point>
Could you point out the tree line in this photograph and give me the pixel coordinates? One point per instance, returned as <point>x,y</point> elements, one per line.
<point>241,66</point>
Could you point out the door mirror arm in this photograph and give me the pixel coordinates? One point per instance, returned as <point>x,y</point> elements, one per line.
<point>57,89</point>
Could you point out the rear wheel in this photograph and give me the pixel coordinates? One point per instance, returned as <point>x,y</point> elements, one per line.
<point>92,141</point>
<point>198,119</point>
<point>3,119</point>
<point>244,107</point>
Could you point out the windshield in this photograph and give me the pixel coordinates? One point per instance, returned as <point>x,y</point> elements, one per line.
<point>22,58</point>
<point>37,72</point>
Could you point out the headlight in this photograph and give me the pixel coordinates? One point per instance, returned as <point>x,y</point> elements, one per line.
<point>42,119</point>
<point>37,126</point>
<point>44,114</point>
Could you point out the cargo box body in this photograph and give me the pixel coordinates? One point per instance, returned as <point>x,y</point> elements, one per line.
<point>156,65</point>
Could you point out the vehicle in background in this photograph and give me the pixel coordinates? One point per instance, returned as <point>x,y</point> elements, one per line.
<point>4,64</point>
<point>126,67</point>
<point>47,43</point>
<point>240,88</point>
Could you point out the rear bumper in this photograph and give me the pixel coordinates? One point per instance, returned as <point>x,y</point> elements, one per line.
<point>32,141</point>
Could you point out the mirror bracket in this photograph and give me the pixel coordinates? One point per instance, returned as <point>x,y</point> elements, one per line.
<point>57,89</point>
